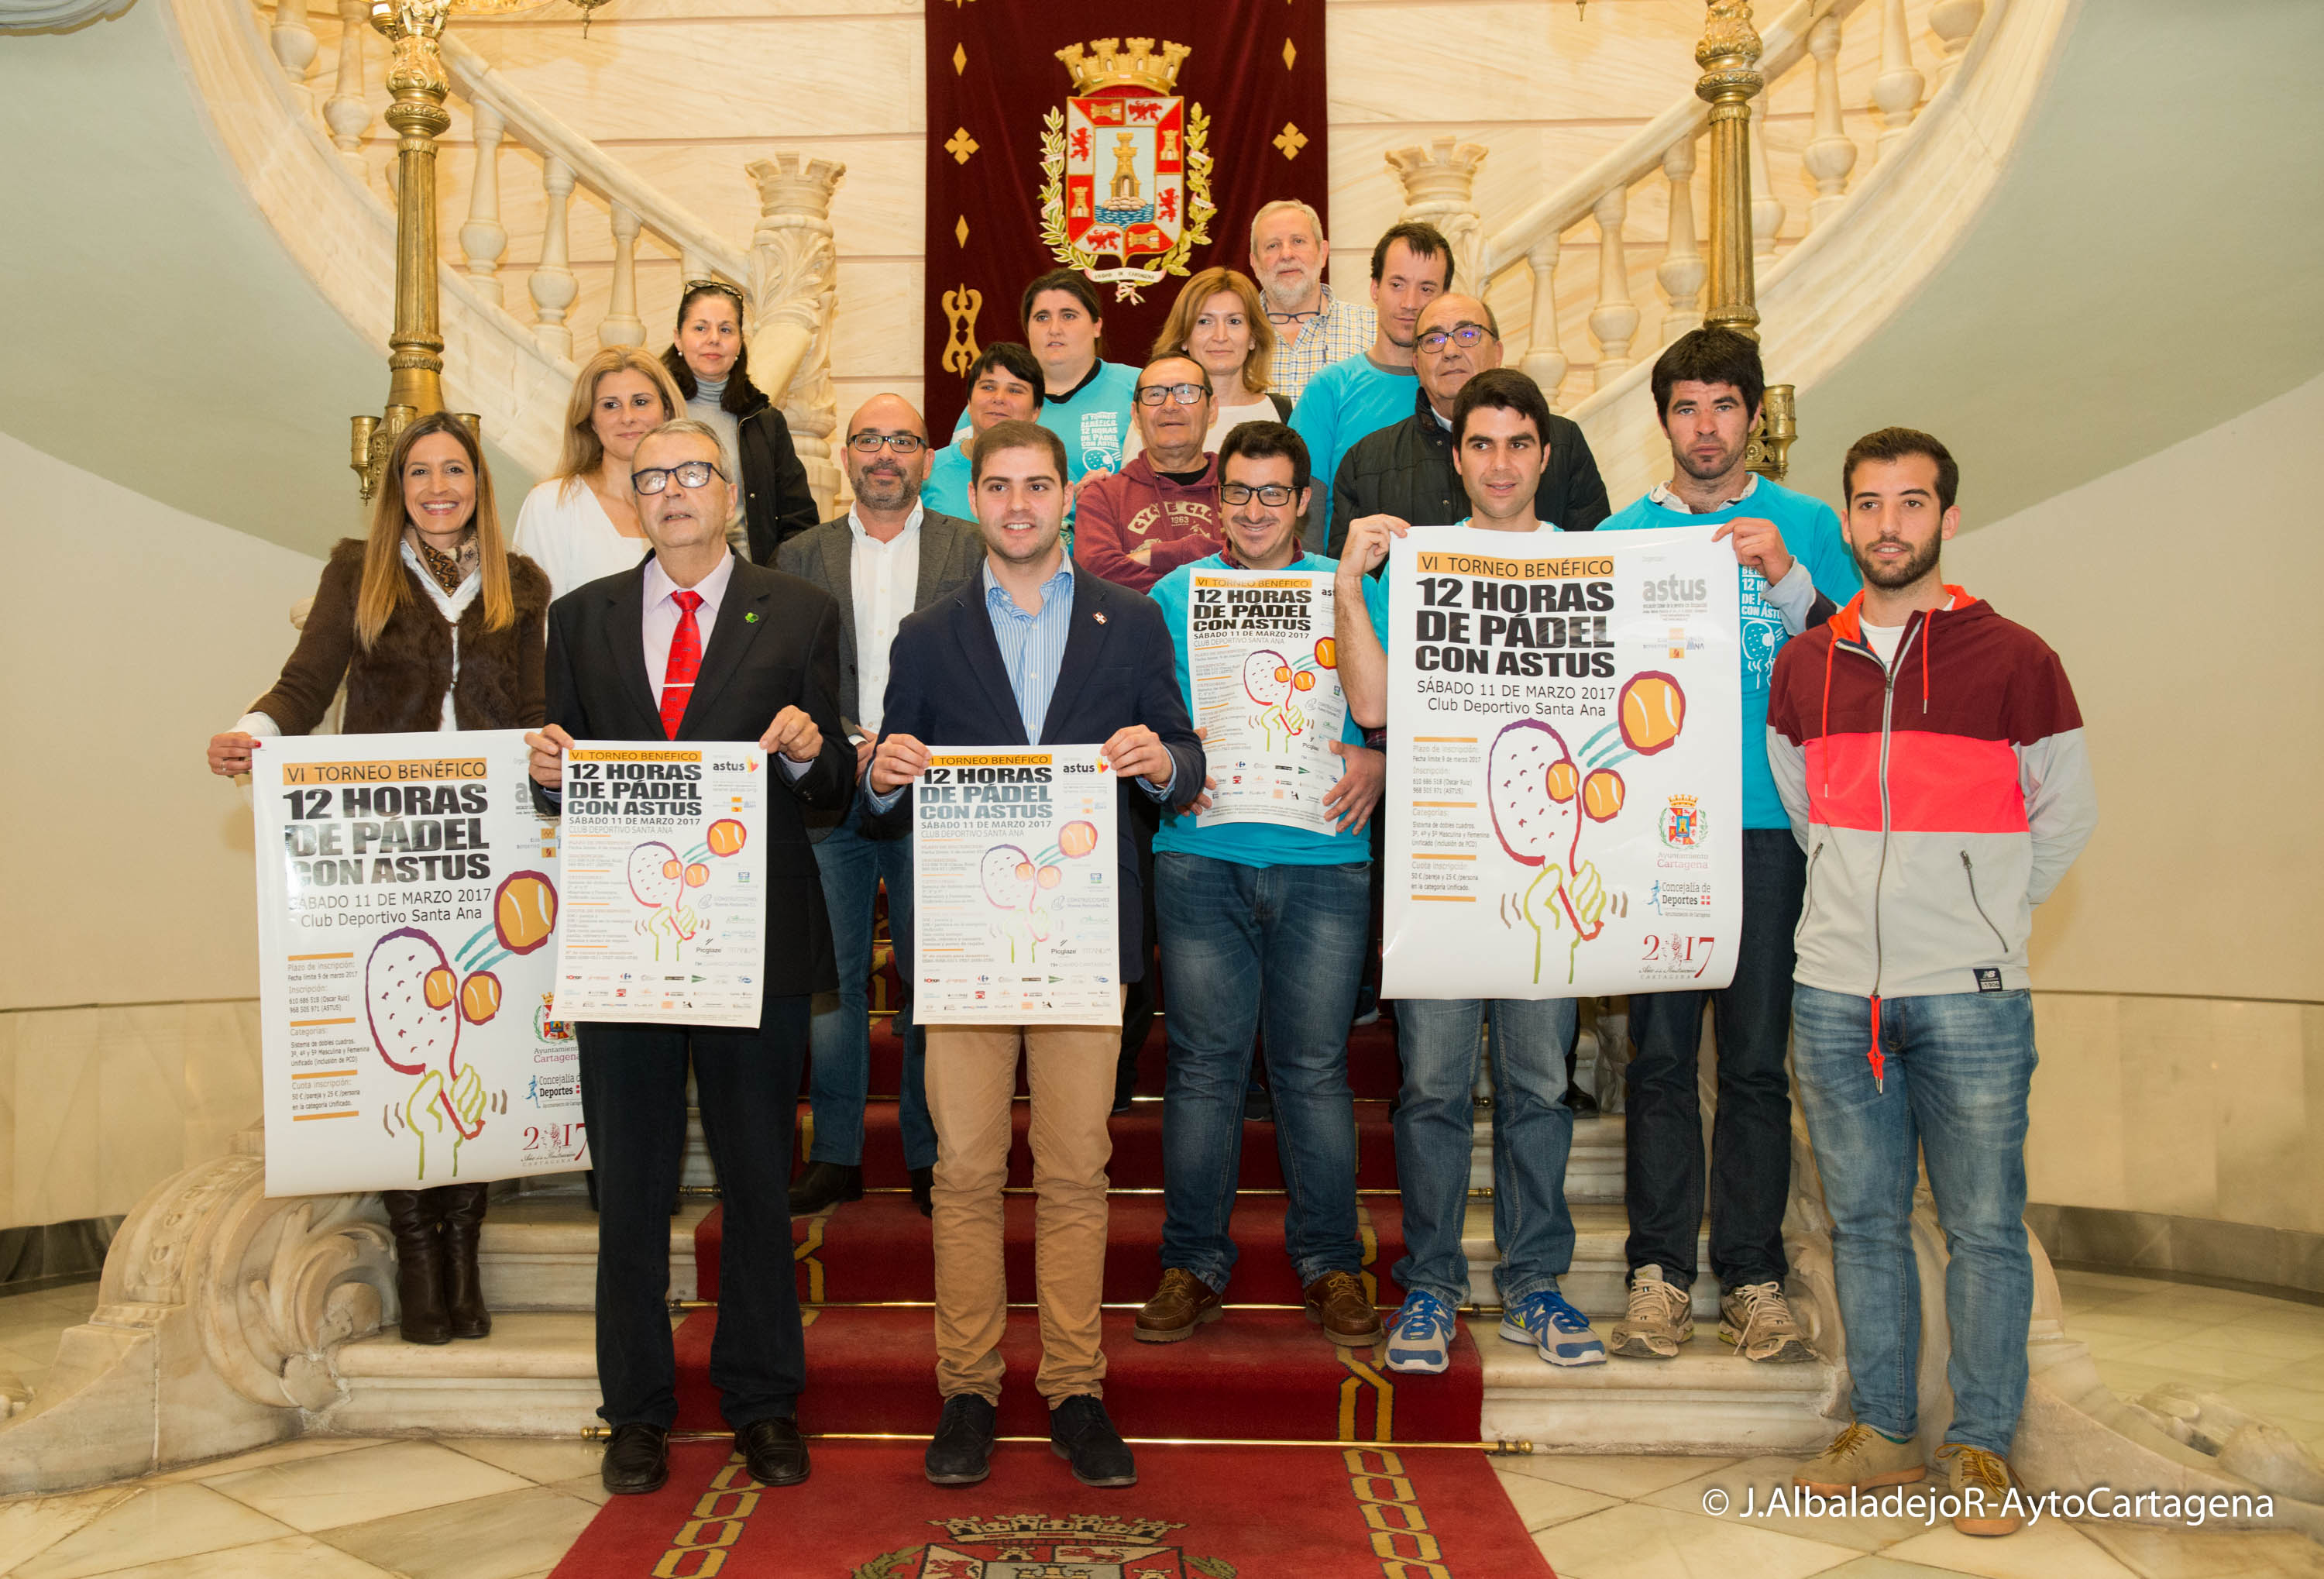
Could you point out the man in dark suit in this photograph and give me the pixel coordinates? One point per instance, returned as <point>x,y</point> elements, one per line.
<point>1406,469</point>
<point>697,644</point>
<point>886,557</point>
<point>1031,650</point>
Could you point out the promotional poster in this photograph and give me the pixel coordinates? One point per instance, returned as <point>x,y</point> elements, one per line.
<point>1264,666</point>
<point>665,873</point>
<point>1013,851</point>
<point>1563,764</point>
<point>407,896</point>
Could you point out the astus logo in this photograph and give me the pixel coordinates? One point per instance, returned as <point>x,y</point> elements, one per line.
<point>1674,588</point>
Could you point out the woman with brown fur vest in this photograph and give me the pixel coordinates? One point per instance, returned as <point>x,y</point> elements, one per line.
<point>433,625</point>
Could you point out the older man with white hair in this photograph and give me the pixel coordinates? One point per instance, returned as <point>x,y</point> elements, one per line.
<point>1313,328</point>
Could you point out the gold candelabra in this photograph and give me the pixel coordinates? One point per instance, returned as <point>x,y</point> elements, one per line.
<point>1729,55</point>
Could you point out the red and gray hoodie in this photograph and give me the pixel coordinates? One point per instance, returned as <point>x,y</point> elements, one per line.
<point>1939,802</point>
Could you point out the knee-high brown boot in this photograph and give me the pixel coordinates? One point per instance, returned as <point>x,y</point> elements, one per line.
<point>418,1265</point>
<point>463,1212</point>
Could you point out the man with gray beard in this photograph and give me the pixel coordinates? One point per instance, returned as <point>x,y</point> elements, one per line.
<point>1313,328</point>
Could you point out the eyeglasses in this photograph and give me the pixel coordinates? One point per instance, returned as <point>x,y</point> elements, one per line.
<point>719,286</point>
<point>1185,394</point>
<point>1274,496</point>
<point>1461,334</point>
<point>872,443</point>
<point>690,474</point>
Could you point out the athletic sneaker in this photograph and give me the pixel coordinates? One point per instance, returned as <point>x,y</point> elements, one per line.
<point>1661,1317</point>
<point>1559,1332</point>
<point>1860,1456</point>
<point>1757,1319</point>
<point>1420,1340</point>
<point>1981,1480</point>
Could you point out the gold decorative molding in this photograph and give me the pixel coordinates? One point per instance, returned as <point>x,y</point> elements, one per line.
<point>960,307</point>
<point>1107,66</point>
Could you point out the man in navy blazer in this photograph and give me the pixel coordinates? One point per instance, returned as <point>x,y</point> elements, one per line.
<point>1031,650</point>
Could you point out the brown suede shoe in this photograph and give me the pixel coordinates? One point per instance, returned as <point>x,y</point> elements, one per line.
<point>1336,1303</point>
<point>1181,1304</point>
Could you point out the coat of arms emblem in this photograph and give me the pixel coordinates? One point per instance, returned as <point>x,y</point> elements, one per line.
<point>1034,1545</point>
<point>1126,175</point>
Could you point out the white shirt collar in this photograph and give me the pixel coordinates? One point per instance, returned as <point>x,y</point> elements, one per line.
<point>911,525</point>
<point>712,587</point>
<point>1660,494</point>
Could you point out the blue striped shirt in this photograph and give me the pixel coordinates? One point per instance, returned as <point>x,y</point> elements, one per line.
<point>1032,645</point>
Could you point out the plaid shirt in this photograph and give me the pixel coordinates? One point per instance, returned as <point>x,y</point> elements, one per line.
<point>1340,330</point>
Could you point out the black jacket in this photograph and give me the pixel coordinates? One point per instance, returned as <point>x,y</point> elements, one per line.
<point>948,686</point>
<point>776,644</point>
<point>776,501</point>
<point>1406,470</point>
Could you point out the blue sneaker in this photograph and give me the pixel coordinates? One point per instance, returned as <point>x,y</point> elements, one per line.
<point>1420,1339</point>
<point>1560,1332</point>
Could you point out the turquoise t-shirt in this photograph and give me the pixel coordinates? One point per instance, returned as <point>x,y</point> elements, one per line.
<point>1811,532</point>
<point>1094,421</point>
<point>947,490</point>
<point>1346,401</point>
<point>1257,844</point>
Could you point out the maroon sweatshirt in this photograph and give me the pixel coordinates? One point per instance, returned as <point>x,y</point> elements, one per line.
<point>1136,505</point>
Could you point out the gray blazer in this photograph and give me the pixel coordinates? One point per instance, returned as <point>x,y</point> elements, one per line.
<point>951,552</point>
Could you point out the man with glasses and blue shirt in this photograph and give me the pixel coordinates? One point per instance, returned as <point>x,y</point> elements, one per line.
<point>888,557</point>
<point>1497,425</point>
<point>1263,925</point>
<point>1405,470</point>
<point>696,644</point>
<point>1030,651</point>
<point>1160,510</point>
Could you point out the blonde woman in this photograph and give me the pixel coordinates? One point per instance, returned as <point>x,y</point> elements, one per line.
<point>582,523</point>
<point>433,625</point>
<point>1221,322</point>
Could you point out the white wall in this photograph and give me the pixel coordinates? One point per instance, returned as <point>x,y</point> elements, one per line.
<point>129,632</point>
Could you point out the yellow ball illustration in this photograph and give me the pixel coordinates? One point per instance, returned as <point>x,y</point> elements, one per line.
<point>438,988</point>
<point>726,836</point>
<point>1601,794</point>
<point>524,912</point>
<point>1077,839</point>
<point>696,875</point>
<point>480,997</point>
<point>1560,779</point>
<point>1654,711</point>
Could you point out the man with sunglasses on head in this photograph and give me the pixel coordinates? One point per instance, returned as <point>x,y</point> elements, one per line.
<point>696,644</point>
<point>1405,470</point>
<point>888,557</point>
<point>1160,510</point>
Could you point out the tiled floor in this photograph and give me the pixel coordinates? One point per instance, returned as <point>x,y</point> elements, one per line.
<point>507,1509</point>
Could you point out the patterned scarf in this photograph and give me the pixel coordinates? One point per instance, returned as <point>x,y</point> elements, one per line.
<point>449,570</point>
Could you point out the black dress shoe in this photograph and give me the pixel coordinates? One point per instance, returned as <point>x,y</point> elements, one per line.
<point>1081,1434</point>
<point>824,1185</point>
<point>774,1450</point>
<point>1583,1105</point>
<point>924,1185</point>
<point>637,1460</point>
<point>961,1453</point>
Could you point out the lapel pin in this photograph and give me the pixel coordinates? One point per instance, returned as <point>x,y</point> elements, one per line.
<point>1099,616</point>
<point>751,619</point>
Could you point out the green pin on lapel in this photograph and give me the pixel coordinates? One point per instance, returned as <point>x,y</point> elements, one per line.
<point>751,619</point>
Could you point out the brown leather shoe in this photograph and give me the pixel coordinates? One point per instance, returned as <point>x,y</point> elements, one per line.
<point>1181,1304</point>
<point>1336,1303</point>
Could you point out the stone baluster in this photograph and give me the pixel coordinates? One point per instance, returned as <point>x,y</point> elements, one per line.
<point>621,325</point>
<point>1681,270</point>
<point>292,38</point>
<point>1439,185</point>
<point>483,238</point>
<point>346,111</point>
<point>1544,361</point>
<point>692,266</point>
<point>1896,91</point>
<point>553,282</point>
<point>1955,23</point>
<point>1615,319</point>
<point>1831,152</point>
<point>1767,208</point>
<point>794,287</point>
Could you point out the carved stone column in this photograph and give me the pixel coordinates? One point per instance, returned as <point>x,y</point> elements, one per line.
<point>1729,55</point>
<point>793,289</point>
<point>1439,185</point>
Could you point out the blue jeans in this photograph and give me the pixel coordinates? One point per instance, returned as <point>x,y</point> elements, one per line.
<point>853,861</point>
<point>1959,1067</point>
<point>1533,1131</point>
<point>1751,1132</point>
<point>1247,947</point>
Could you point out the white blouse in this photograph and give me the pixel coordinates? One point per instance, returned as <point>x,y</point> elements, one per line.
<point>565,531</point>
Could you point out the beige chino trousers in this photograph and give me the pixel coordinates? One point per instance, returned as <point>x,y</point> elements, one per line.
<point>972,1083</point>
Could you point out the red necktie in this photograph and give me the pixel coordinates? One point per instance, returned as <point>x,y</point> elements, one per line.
<point>685,663</point>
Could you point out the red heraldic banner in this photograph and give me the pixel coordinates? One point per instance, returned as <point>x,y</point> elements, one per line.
<point>1129,140</point>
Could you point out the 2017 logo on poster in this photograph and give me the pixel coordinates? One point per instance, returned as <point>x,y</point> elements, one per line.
<point>1125,172</point>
